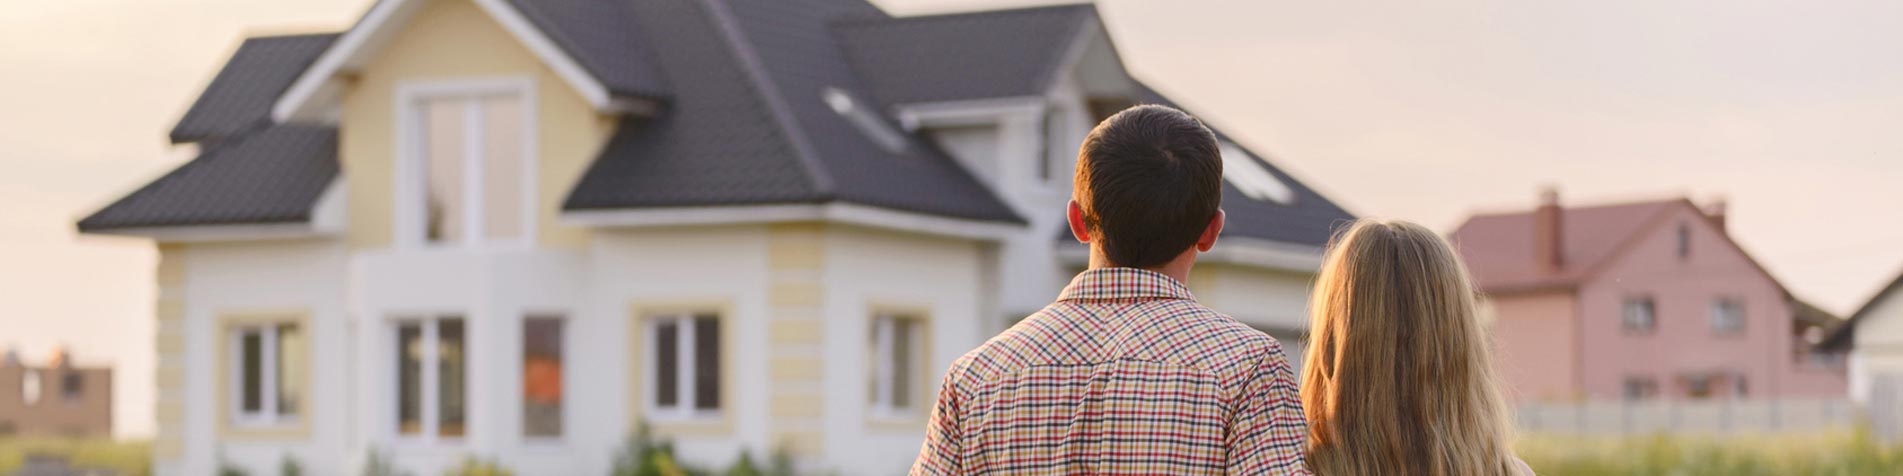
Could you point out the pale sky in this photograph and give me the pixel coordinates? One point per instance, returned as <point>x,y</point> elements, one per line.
<point>1418,110</point>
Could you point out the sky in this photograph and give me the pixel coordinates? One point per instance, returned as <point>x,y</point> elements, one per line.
<point>1427,111</point>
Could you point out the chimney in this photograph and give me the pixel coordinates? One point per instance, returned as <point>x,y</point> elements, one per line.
<point>1547,232</point>
<point>1716,212</point>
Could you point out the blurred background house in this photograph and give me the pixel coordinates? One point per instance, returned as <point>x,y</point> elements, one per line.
<point>57,398</point>
<point>1599,311</point>
<point>1873,336</point>
<point>522,229</point>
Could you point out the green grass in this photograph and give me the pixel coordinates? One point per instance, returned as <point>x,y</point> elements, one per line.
<point>1822,455</point>
<point>130,458</point>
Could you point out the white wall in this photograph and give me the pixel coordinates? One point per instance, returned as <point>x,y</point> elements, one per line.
<point>701,263</point>
<point>261,277</point>
<point>1878,349</point>
<point>1266,299</point>
<point>866,268</point>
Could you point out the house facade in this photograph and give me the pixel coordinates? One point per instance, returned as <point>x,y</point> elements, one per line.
<point>1639,301</point>
<point>56,399</point>
<point>518,229</point>
<point>1873,337</point>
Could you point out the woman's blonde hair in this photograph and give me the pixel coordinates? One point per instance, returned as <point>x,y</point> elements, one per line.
<point>1398,378</point>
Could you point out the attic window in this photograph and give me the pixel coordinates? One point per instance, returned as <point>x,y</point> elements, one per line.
<point>1249,177</point>
<point>865,119</point>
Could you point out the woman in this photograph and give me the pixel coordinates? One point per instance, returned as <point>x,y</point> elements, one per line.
<point>1398,378</point>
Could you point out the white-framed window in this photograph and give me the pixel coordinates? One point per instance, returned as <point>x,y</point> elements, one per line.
<point>684,366</point>
<point>1640,315</point>
<point>468,167</point>
<point>897,353</point>
<point>543,371</point>
<point>1727,316</point>
<point>432,372</point>
<point>267,369</point>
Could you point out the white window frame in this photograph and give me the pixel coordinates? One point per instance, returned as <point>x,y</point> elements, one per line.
<point>1715,310</point>
<point>429,378</point>
<point>685,373</point>
<point>267,414</point>
<point>412,183</point>
<point>884,371</point>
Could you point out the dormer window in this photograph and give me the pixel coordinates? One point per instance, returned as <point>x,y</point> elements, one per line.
<point>1251,178</point>
<point>865,119</point>
<point>471,178</point>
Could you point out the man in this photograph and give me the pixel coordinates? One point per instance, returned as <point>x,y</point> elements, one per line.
<point>1126,373</point>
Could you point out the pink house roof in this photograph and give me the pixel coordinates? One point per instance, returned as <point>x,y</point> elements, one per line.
<point>1499,248</point>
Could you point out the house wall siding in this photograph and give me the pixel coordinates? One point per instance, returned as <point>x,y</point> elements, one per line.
<point>1684,343</point>
<point>1878,350</point>
<point>216,280</point>
<point>1537,340</point>
<point>1271,300</point>
<point>868,270</point>
<point>450,40</point>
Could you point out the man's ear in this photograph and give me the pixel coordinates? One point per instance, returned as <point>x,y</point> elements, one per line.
<point>1077,227</point>
<point>1208,240</point>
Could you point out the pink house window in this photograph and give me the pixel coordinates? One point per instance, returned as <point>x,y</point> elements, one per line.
<point>1640,315</point>
<point>1727,316</point>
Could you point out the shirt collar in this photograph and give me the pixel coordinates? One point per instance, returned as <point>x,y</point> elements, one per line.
<point>1105,284</point>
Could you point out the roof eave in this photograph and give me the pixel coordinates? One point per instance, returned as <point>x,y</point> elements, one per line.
<point>836,212</point>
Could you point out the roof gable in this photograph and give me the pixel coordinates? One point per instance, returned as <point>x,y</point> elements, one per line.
<point>242,93</point>
<point>1844,336</point>
<point>578,39</point>
<point>978,55</point>
<point>1499,249</point>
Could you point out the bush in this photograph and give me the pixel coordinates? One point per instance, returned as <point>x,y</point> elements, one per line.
<point>289,467</point>
<point>1826,455</point>
<point>375,464</point>
<point>645,455</point>
<point>479,467</point>
<point>131,458</point>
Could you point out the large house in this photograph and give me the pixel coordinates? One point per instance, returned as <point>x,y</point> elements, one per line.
<point>516,229</point>
<point>1641,300</point>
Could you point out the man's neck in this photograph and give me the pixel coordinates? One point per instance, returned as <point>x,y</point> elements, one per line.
<point>1177,269</point>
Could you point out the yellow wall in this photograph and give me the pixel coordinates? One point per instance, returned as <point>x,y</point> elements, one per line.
<point>451,39</point>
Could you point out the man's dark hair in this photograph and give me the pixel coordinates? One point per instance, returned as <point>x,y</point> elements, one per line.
<point>1149,180</point>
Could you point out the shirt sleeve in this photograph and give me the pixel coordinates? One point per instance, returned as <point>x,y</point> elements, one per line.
<point>943,439</point>
<point>1268,434</point>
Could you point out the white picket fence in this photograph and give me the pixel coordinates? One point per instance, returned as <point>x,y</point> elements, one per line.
<point>1712,417</point>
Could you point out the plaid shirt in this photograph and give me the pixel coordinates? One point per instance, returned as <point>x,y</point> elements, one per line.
<point>1124,374</point>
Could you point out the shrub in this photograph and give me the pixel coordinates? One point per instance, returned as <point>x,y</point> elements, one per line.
<point>479,467</point>
<point>375,464</point>
<point>289,466</point>
<point>1854,454</point>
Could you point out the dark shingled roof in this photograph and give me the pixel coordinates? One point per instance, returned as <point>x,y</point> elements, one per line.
<point>749,125</point>
<point>716,144</point>
<point>242,94</point>
<point>990,54</point>
<point>604,36</point>
<point>274,175</point>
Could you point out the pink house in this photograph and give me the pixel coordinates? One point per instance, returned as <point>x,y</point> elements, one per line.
<point>1641,300</point>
